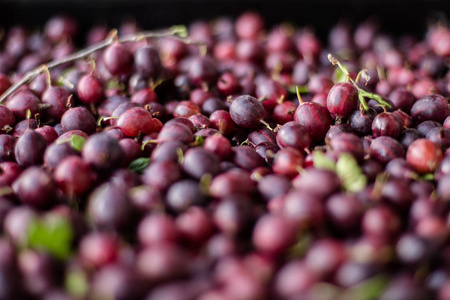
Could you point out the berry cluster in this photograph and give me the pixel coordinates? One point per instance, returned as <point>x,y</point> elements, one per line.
<point>224,162</point>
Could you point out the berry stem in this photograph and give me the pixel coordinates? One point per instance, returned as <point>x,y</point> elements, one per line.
<point>176,32</point>
<point>361,93</point>
<point>299,97</point>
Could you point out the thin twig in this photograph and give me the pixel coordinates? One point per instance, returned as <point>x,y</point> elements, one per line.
<point>175,32</point>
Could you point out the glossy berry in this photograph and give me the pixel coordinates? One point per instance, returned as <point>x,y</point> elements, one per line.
<point>402,99</point>
<point>342,100</point>
<point>261,135</point>
<point>186,109</point>
<point>29,148</point>
<point>386,124</point>
<point>246,158</point>
<point>58,98</point>
<point>284,112</point>
<point>430,107</point>
<point>288,162</point>
<point>145,96</point>
<point>98,249</point>
<point>55,153</point>
<point>74,176</point>
<point>35,187</point>
<point>48,132</point>
<point>161,174</point>
<point>21,102</point>
<point>78,118</point>
<point>234,181</point>
<point>102,152</point>
<point>440,136</point>
<point>293,135</point>
<point>338,129</point>
<point>90,89</point>
<point>118,59</point>
<point>321,183</point>
<point>202,70</point>
<point>385,148</point>
<point>147,62</point>
<point>381,222</point>
<point>273,234</point>
<point>347,143</point>
<point>315,118</point>
<point>424,155</point>
<point>247,111</point>
<point>109,206</point>
<point>135,121</point>
<point>221,120</point>
<point>198,162</point>
<point>176,132</point>
<point>219,145</point>
<point>361,121</point>
<point>183,194</point>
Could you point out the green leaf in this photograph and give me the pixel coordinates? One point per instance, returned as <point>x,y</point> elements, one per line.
<point>114,84</point>
<point>77,142</point>
<point>301,246</point>
<point>139,164</point>
<point>76,283</point>
<point>428,177</point>
<point>199,140</point>
<point>52,234</point>
<point>322,162</point>
<point>302,89</point>
<point>353,180</point>
<point>370,289</point>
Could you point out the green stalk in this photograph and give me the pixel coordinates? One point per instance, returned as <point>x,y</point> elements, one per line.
<point>362,94</point>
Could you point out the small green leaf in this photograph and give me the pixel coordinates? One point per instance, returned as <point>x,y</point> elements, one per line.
<point>28,116</point>
<point>76,283</point>
<point>199,140</point>
<point>77,142</point>
<point>428,177</point>
<point>301,246</point>
<point>52,234</point>
<point>353,180</point>
<point>114,84</point>
<point>322,162</point>
<point>139,164</point>
<point>303,89</point>
<point>370,289</point>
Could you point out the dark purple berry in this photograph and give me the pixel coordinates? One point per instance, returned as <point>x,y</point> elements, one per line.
<point>342,100</point>
<point>29,149</point>
<point>247,111</point>
<point>78,118</point>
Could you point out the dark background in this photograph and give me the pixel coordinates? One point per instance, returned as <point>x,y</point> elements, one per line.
<point>395,16</point>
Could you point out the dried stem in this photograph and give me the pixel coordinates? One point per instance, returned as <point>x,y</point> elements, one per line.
<point>175,32</point>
